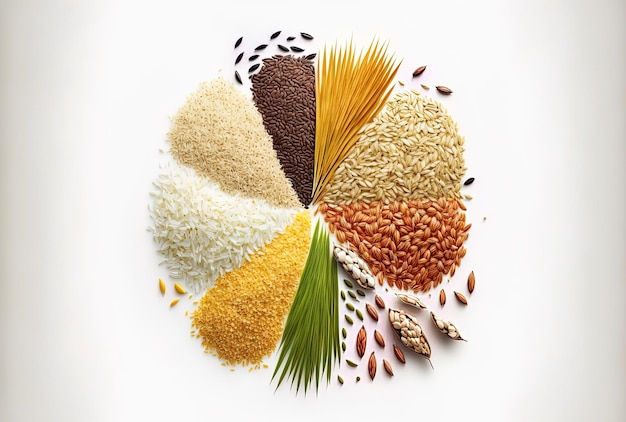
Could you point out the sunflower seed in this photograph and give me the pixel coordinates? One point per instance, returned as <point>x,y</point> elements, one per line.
<point>419,71</point>
<point>461,298</point>
<point>471,282</point>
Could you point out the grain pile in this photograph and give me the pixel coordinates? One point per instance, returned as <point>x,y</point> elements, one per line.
<point>410,244</point>
<point>241,318</point>
<point>284,92</point>
<point>202,232</point>
<point>412,150</point>
<point>220,133</point>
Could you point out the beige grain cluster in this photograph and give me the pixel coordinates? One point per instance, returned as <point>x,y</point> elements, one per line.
<point>411,245</point>
<point>412,150</point>
<point>220,133</point>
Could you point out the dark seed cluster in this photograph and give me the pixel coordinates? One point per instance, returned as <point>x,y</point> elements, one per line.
<point>282,44</point>
<point>284,93</point>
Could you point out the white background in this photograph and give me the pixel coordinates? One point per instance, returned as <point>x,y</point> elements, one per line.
<point>87,89</point>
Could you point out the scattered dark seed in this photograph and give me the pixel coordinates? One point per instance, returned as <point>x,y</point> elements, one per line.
<point>238,42</point>
<point>352,295</point>
<point>360,292</point>
<point>444,89</point>
<point>254,67</point>
<point>306,36</point>
<point>343,295</point>
<point>238,77</point>
<point>274,35</point>
<point>239,57</point>
<point>340,379</point>
<point>296,49</point>
<point>358,379</point>
<point>291,38</point>
<point>261,47</point>
<point>419,71</point>
<point>282,47</point>
<point>343,346</point>
<point>251,58</point>
<point>351,363</point>
<point>359,314</point>
<point>350,306</point>
<point>344,333</point>
<point>469,181</point>
<point>311,56</point>
<point>348,283</point>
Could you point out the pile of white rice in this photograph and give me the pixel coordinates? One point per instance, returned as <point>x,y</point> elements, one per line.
<point>203,232</point>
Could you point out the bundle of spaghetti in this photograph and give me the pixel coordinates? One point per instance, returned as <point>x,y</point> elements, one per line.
<point>350,91</point>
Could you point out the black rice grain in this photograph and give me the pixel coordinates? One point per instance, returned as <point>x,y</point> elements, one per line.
<point>282,48</point>
<point>254,57</point>
<point>254,67</point>
<point>261,47</point>
<point>311,56</point>
<point>469,181</point>
<point>306,36</point>
<point>274,35</point>
<point>296,49</point>
<point>291,38</point>
<point>284,93</point>
<point>238,42</point>
<point>239,57</point>
<point>238,77</point>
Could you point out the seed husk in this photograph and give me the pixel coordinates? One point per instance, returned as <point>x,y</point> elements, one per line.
<point>371,366</point>
<point>162,286</point>
<point>379,338</point>
<point>360,292</point>
<point>238,42</point>
<point>274,35</point>
<point>348,283</point>
<point>239,57</point>
<point>471,282</point>
<point>442,297</point>
<point>419,71</point>
<point>306,36</point>
<point>340,379</point>
<point>254,67</point>
<point>388,367</point>
<point>260,47</point>
<point>379,302</point>
<point>296,49</point>
<point>469,181</point>
<point>349,319</point>
<point>350,306</point>
<point>179,289</point>
<point>311,56</point>
<point>399,354</point>
<point>359,314</point>
<point>461,298</point>
<point>238,77</point>
<point>361,341</point>
<point>371,311</point>
<point>344,333</point>
<point>253,57</point>
<point>444,89</point>
<point>351,363</point>
<point>282,48</point>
